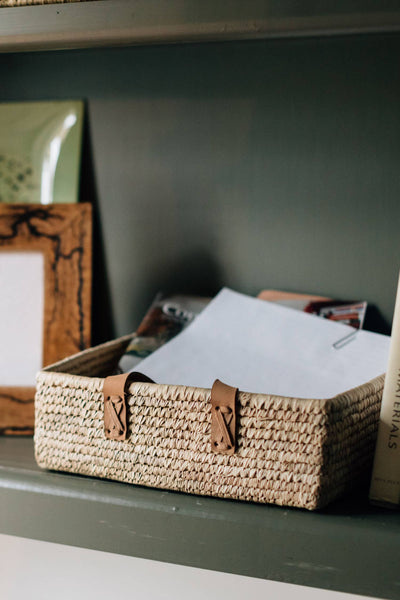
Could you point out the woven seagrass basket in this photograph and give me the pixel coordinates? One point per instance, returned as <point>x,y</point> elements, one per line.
<point>289,451</point>
<point>13,3</point>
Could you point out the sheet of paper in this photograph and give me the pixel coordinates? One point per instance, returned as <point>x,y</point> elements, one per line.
<point>21,317</point>
<point>262,347</point>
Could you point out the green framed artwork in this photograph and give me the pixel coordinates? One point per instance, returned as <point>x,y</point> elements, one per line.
<point>40,152</point>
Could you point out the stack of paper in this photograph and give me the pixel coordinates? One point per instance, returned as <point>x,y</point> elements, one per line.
<point>262,347</point>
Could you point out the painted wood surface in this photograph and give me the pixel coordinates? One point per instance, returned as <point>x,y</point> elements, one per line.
<point>111,576</point>
<point>350,546</point>
<point>123,22</point>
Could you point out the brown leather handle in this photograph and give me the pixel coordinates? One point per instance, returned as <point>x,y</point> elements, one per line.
<point>223,411</point>
<point>223,418</point>
<point>115,390</point>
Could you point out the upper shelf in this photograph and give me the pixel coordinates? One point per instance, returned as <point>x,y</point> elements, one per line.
<point>123,22</point>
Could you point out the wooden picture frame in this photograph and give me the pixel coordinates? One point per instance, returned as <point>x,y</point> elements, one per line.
<point>63,234</point>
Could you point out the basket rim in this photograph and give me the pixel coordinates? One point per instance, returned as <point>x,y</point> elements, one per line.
<point>59,370</point>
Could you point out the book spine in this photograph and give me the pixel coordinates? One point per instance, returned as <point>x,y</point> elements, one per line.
<point>385,483</point>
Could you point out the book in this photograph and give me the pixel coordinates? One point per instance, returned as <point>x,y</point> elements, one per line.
<point>385,481</point>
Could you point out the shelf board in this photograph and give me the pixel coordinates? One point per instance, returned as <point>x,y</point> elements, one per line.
<point>349,547</point>
<point>124,22</point>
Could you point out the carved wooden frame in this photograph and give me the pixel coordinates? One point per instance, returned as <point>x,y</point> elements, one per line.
<point>63,233</point>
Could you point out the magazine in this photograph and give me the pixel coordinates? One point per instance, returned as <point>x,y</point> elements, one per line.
<point>166,317</point>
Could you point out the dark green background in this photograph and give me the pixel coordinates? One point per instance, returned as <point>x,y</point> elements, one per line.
<point>248,164</point>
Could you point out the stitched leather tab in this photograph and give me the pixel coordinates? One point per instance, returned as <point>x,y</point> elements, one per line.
<point>223,418</point>
<point>115,390</point>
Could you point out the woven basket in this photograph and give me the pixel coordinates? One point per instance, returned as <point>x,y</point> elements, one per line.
<point>293,452</point>
<point>13,3</point>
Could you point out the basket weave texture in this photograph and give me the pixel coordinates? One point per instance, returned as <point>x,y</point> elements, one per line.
<point>11,3</point>
<point>290,451</point>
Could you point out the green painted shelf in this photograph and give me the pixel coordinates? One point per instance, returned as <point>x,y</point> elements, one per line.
<point>122,22</point>
<point>350,546</point>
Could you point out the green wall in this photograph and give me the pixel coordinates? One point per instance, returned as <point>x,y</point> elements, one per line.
<point>247,164</point>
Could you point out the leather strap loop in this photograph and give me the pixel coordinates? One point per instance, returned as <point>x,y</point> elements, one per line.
<point>223,411</point>
<point>115,390</point>
<point>223,418</point>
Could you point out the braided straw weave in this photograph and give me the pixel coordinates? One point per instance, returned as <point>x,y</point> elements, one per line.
<point>12,3</point>
<point>290,451</point>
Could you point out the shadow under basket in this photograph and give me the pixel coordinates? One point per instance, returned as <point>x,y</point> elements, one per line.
<point>289,451</point>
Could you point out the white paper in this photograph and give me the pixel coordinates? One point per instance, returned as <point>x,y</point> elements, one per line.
<point>262,347</point>
<point>21,317</point>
